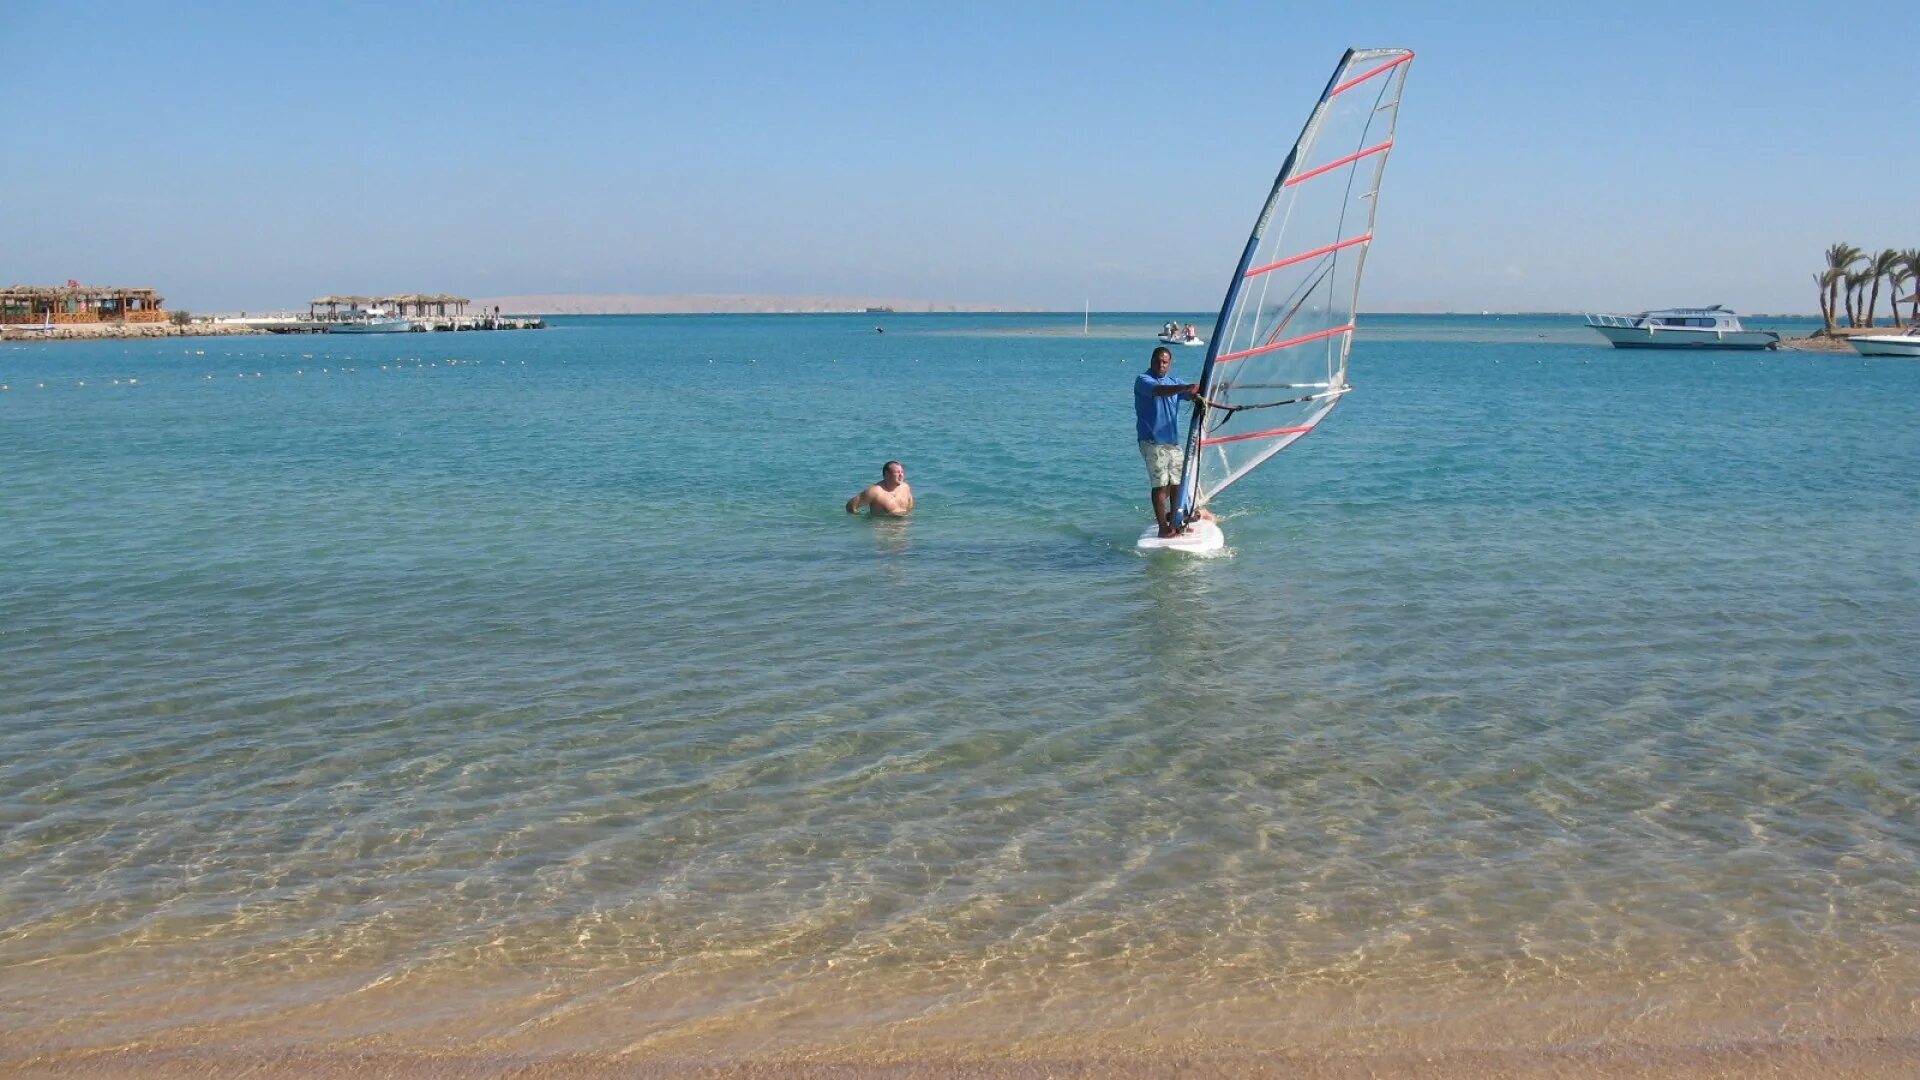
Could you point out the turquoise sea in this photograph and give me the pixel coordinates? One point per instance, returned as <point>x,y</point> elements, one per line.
<point>530,693</point>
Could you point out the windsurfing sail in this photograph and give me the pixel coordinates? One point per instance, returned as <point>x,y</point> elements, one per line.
<point>1277,363</point>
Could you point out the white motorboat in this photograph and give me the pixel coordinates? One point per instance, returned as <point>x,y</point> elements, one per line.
<point>278,324</point>
<point>371,326</point>
<point>373,320</point>
<point>1907,344</point>
<point>1681,328</point>
<point>1182,339</point>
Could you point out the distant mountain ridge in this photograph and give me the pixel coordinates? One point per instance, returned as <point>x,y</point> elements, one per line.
<point>714,303</point>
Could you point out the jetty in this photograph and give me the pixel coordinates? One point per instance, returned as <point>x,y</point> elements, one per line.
<point>399,313</point>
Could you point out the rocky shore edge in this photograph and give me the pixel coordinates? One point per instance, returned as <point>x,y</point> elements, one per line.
<point>1821,341</point>
<point>99,331</point>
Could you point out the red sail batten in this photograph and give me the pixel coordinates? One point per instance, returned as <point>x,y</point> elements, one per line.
<point>1258,435</point>
<point>1332,165</point>
<point>1358,79</point>
<point>1305,255</point>
<point>1302,339</point>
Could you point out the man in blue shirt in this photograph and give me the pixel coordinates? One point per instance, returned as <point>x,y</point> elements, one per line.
<point>1156,412</point>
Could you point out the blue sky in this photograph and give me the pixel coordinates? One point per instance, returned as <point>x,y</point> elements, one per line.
<point>1621,156</point>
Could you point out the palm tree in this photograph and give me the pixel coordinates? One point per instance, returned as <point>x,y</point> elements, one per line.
<point>1897,278</point>
<point>1822,286</point>
<point>1856,282</point>
<point>1882,265</point>
<point>1840,259</point>
<point>1910,261</point>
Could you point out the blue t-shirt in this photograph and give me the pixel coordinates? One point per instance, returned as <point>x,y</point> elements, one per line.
<point>1157,419</point>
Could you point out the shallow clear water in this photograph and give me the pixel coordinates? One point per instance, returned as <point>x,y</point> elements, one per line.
<point>544,669</point>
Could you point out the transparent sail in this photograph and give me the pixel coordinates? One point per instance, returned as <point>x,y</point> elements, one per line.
<point>1277,363</point>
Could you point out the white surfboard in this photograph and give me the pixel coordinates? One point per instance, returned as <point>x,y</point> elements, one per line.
<point>1203,537</point>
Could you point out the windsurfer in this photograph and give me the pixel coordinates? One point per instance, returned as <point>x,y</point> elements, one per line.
<point>891,495</point>
<point>1156,412</point>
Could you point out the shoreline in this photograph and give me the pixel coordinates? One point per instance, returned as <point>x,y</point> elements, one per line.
<point>1815,342</point>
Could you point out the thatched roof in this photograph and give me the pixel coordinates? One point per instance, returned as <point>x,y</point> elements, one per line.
<point>73,292</point>
<point>400,298</point>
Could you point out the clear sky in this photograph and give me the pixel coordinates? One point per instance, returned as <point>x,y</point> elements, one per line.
<point>1604,156</point>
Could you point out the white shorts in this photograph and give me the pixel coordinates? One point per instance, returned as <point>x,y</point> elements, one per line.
<point>1163,462</point>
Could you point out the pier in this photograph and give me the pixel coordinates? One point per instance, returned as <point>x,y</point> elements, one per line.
<point>400,313</point>
<point>479,322</point>
<point>426,312</point>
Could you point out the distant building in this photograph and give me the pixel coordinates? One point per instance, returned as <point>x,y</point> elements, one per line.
<point>75,303</point>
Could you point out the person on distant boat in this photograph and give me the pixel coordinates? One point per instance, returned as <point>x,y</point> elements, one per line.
<point>890,496</point>
<point>1156,412</point>
<point>1192,334</point>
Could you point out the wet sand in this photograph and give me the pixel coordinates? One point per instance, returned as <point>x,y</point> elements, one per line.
<point>1861,1059</point>
<point>402,1025</point>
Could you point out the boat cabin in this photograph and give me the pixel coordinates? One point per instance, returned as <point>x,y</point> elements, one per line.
<point>1680,318</point>
<point>1713,318</point>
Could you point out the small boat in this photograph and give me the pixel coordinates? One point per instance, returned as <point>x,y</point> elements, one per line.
<point>1681,328</point>
<point>278,324</point>
<point>1182,339</point>
<point>374,320</point>
<point>1907,344</point>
